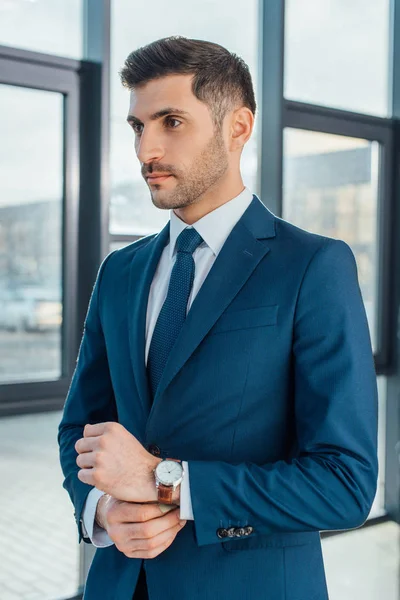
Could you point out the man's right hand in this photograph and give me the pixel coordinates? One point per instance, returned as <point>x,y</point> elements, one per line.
<point>138,530</point>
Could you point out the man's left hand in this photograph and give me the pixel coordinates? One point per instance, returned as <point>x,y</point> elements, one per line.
<point>114,461</point>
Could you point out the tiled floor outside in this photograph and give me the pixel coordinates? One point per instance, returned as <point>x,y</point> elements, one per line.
<point>39,554</point>
<point>364,564</point>
<point>38,537</point>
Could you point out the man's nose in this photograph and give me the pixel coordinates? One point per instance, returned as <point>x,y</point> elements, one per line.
<point>149,148</point>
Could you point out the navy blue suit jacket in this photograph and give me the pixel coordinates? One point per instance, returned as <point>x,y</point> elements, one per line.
<point>269,394</point>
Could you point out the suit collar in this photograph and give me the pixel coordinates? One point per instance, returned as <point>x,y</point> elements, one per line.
<point>215,226</point>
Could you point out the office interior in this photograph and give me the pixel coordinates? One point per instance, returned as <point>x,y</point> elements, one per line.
<point>324,155</point>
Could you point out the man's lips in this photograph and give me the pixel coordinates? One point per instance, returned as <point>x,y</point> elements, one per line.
<point>157,178</point>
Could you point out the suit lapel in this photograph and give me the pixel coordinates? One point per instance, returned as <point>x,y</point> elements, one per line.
<point>234,264</point>
<point>143,268</point>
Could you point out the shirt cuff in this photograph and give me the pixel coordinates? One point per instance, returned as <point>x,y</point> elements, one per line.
<point>97,535</point>
<point>186,511</point>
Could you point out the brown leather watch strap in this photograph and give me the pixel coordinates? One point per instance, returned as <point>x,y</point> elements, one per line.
<point>165,492</point>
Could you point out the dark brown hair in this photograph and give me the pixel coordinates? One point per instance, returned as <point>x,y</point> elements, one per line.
<point>221,78</point>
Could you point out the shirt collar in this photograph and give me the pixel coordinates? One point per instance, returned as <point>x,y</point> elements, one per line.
<point>215,226</point>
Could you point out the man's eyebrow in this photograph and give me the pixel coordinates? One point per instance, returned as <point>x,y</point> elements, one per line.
<point>157,115</point>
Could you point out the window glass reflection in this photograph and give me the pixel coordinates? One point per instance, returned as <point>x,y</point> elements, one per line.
<point>331,188</point>
<point>31,199</point>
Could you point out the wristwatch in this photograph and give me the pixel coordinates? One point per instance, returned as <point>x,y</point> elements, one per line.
<point>168,474</point>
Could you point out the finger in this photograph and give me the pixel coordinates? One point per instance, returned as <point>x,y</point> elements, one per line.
<point>132,512</point>
<point>85,460</point>
<point>84,445</point>
<point>150,548</point>
<point>86,476</point>
<point>151,528</point>
<point>124,533</point>
<point>92,430</point>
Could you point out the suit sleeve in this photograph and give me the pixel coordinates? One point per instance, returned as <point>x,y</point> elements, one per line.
<point>331,481</point>
<point>90,399</point>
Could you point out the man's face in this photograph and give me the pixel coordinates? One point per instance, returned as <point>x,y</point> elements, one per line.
<point>175,137</point>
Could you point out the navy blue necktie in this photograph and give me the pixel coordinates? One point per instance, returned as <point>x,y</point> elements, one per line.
<point>173,311</point>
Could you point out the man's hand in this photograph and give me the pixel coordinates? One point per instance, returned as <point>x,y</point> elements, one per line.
<point>138,530</point>
<point>114,461</point>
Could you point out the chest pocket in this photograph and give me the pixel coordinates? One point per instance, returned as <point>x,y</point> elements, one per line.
<point>246,318</point>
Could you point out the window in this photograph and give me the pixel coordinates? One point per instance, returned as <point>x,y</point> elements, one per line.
<point>31,185</point>
<point>331,188</point>
<point>337,54</point>
<point>49,26</point>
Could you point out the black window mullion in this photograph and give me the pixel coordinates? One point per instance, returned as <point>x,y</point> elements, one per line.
<point>322,119</point>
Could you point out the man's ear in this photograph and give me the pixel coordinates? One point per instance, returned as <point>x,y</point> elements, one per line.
<point>242,123</point>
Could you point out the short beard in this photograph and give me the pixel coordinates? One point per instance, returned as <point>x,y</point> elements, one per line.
<point>206,170</point>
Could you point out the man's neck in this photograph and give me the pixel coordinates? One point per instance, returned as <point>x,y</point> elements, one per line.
<point>192,213</point>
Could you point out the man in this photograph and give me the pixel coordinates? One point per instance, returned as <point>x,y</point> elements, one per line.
<point>231,341</point>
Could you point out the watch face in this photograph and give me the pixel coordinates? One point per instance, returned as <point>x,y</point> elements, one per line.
<point>169,471</point>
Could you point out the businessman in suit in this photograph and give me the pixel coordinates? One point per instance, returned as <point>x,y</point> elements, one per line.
<point>223,409</point>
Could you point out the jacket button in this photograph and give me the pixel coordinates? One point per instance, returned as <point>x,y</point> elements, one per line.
<point>222,533</point>
<point>248,530</point>
<point>231,531</point>
<point>154,449</point>
<point>239,532</point>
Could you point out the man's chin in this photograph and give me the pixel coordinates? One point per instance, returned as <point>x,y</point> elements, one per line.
<point>162,199</point>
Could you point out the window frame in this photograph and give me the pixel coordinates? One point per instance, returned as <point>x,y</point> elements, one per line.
<point>54,74</point>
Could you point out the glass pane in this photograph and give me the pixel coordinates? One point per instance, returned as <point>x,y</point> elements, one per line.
<point>49,26</point>
<point>337,53</point>
<point>31,199</point>
<point>132,210</point>
<point>40,560</point>
<point>331,188</point>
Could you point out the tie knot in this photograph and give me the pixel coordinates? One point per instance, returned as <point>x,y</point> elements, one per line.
<point>188,240</point>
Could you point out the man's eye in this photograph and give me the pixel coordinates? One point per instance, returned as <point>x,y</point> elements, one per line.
<point>135,127</point>
<point>169,120</point>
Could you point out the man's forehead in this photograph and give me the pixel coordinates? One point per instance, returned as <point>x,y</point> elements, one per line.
<point>171,85</point>
<point>156,94</point>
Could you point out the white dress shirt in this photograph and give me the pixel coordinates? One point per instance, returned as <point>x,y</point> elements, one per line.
<point>214,228</point>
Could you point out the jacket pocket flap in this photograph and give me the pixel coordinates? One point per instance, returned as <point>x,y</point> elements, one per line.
<point>275,540</point>
<point>246,318</point>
